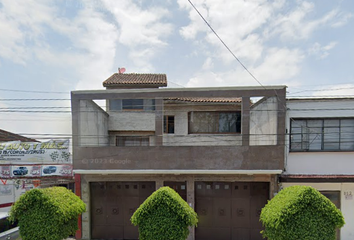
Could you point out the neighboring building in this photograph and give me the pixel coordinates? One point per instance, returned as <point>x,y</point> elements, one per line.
<point>26,163</point>
<point>320,153</point>
<point>220,149</point>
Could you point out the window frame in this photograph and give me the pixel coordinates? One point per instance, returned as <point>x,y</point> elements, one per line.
<point>167,123</point>
<point>238,122</point>
<point>323,131</point>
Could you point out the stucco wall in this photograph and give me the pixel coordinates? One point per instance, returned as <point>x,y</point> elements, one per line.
<point>93,124</point>
<point>263,122</point>
<point>346,202</point>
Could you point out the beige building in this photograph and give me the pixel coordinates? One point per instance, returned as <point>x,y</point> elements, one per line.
<point>221,149</point>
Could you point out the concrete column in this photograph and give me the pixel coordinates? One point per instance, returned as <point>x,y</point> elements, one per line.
<point>245,121</point>
<point>158,183</point>
<point>158,121</point>
<point>273,186</point>
<point>191,203</point>
<point>85,195</point>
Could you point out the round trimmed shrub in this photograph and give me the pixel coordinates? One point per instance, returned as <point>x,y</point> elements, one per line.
<point>47,214</point>
<point>300,212</point>
<point>164,216</point>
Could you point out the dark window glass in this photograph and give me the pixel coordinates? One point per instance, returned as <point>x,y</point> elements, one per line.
<point>322,134</point>
<point>214,122</point>
<point>169,124</point>
<point>135,104</point>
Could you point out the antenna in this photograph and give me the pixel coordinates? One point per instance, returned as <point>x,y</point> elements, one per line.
<point>121,70</point>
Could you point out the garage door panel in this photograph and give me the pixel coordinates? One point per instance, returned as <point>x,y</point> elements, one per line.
<point>114,232</point>
<point>235,210</point>
<point>241,212</point>
<point>115,214</point>
<point>112,205</point>
<point>260,189</point>
<point>255,212</point>
<point>221,212</point>
<point>131,232</point>
<point>222,189</point>
<point>204,209</point>
<point>256,234</point>
<point>241,190</point>
<point>241,234</point>
<point>146,189</point>
<point>204,233</point>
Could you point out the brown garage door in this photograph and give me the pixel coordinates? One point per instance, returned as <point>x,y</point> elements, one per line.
<point>112,205</point>
<point>230,210</point>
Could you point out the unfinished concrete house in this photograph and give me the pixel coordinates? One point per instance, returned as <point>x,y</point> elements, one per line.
<point>221,149</point>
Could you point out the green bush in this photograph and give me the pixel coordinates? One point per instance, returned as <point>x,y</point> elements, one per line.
<point>47,214</point>
<point>164,216</point>
<point>300,212</point>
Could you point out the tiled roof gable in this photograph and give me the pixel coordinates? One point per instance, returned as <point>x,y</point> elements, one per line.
<point>120,79</point>
<point>8,136</point>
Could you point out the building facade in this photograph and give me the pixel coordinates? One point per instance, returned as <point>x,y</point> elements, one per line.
<point>221,149</point>
<point>320,152</point>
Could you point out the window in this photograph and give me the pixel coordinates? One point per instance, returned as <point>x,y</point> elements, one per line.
<point>132,104</point>
<point>169,124</point>
<point>132,141</point>
<point>215,122</point>
<point>322,134</point>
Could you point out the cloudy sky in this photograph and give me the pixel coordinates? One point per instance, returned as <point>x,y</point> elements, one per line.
<point>50,47</point>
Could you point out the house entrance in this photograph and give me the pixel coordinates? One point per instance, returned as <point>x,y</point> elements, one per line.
<point>112,205</point>
<point>230,211</point>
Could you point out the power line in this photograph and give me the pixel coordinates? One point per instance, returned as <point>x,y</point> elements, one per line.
<point>30,91</point>
<point>225,44</point>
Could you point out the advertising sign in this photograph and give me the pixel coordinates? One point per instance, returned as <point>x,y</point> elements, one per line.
<point>53,151</point>
<point>35,171</point>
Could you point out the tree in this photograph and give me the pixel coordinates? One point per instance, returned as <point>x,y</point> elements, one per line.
<point>47,214</point>
<point>300,212</point>
<point>164,216</point>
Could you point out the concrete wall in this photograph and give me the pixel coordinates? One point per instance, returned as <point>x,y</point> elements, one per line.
<point>180,157</point>
<point>263,122</point>
<point>346,202</point>
<point>131,121</point>
<point>93,125</point>
<point>319,162</point>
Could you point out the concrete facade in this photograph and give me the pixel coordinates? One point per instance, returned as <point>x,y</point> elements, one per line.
<point>256,154</point>
<point>324,170</point>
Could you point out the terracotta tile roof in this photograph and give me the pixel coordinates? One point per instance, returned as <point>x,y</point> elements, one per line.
<point>8,136</point>
<point>207,100</point>
<point>120,79</point>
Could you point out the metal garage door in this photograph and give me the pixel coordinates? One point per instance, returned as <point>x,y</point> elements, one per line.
<point>112,205</point>
<point>230,210</point>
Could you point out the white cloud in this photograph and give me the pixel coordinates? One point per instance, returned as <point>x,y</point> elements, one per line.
<point>342,19</point>
<point>143,31</point>
<point>21,24</point>
<point>279,66</point>
<point>296,24</point>
<point>321,51</point>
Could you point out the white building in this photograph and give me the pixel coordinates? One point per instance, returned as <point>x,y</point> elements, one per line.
<point>320,147</point>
